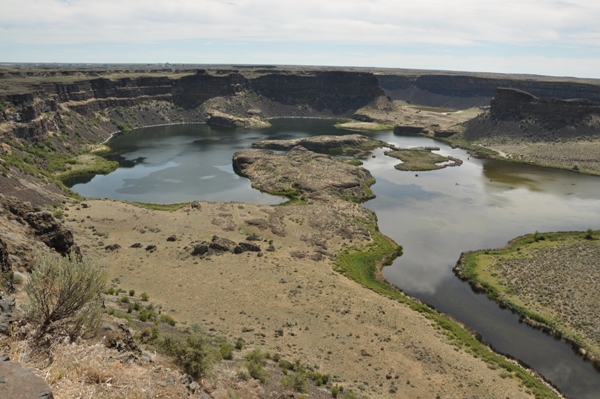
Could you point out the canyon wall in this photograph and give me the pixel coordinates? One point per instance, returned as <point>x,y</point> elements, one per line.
<point>516,114</point>
<point>459,91</point>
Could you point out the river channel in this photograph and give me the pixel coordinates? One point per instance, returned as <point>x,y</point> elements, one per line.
<point>434,215</point>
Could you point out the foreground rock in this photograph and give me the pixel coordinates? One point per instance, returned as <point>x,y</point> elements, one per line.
<point>16,382</point>
<point>302,173</point>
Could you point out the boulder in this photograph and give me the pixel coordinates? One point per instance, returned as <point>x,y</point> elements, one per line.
<point>200,249</point>
<point>7,306</point>
<point>246,246</point>
<point>17,382</point>
<point>172,238</point>
<point>221,244</point>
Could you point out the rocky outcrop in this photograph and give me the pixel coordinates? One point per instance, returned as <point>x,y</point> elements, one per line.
<point>17,382</point>
<point>218,118</point>
<point>515,114</point>
<point>407,130</point>
<point>42,226</point>
<point>293,175</point>
<point>322,143</point>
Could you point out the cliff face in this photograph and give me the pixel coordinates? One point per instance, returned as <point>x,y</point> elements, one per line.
<point>520,115</point>
<point>463,91</point>
<point>33,114</point>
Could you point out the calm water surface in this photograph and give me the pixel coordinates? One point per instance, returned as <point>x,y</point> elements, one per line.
<point>434,216</point>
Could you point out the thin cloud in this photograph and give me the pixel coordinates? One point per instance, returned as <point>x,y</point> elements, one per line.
<point>475,26</point>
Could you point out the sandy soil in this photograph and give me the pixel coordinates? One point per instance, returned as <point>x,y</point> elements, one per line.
<point>326,319</point>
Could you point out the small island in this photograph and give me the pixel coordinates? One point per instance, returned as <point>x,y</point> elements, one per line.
<point>422,159</point>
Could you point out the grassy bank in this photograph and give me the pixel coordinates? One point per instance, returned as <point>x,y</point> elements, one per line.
<point>548,308</point>
<point>420,160</point>
<point>363,126</point>
<point>364,264</point>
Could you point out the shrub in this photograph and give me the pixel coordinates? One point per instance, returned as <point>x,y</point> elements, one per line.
<point>226,351</point>
<point>239,344</point>
<point>168,320</point>
<point>336,390</point>
<point>144,297</point>
<point>124,299</point>
<point>131,292</point>
<point>195,355</point>
<point>64,291</point>
<point>589,234</point>
<point>143,315</point>
<point>255,363</point>
<point>295,381</point>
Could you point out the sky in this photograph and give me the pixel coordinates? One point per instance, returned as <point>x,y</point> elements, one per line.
<point>543,37</point>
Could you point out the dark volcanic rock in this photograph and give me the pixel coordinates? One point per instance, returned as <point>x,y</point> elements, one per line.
<point>172,238</point>
<point>7,306</point>
<point>45,227</point>
<point>5,267</point>
<point>246,246</point>
<point>21,383</point>
<point>151,248</point>
<point>200,249</point>
<point>136,245</point>
<point>112,247</point>
<point>221,244</point>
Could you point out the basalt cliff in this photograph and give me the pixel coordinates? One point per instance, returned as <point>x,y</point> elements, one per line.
<point>518,115</point>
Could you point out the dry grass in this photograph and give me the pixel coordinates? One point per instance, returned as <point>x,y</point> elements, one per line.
<point>80,370</point>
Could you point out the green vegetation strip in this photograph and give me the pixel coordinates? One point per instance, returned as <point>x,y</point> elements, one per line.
<point>160,207</point>
<point>470,269</point>
<point>363,264</point>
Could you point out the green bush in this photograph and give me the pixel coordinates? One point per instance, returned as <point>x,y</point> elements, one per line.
<point>143,315</point>
<point>131,292</point>
<point>144,297</point>
<point>226,351</point>
<point>295,381</point>
<point>239,344</point>
<point>168,320</point>
<point>64,291</point>
<point>589,234</point>
<point>255,363</point>
<point>195,355</point>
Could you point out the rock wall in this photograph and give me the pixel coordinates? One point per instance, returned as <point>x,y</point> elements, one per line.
<point>458,91</point>
<point>516,114</point>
